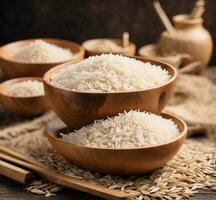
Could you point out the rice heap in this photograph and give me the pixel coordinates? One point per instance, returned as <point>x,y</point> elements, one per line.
<point>40,51</point>
<point>110,73</point>
<point>27,88</point>
<point>131,129</point>
<point>106,46</point>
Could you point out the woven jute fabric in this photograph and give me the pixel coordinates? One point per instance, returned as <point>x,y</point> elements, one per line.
<point>194,100</point>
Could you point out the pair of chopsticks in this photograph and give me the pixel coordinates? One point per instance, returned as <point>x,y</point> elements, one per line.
<point>15,173</point>
<point>12,171</point>
<point>7,155</point>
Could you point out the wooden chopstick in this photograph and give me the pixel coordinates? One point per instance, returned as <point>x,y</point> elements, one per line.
<point>19,156</point>
<point>164,19</point>
<point>15,173</point>
<point>67,181</point>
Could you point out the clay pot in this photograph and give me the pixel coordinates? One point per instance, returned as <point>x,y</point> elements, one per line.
<point>191,38</point>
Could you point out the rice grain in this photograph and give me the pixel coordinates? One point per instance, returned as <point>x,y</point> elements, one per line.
<point>110,73</point>
<point>40,51</point>
<point>29,88</point>
<point>131,129</point>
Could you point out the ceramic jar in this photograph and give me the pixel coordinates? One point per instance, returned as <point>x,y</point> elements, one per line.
<point>191,38</point>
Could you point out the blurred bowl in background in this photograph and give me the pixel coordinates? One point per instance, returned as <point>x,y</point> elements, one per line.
<point>12,68</point>
<point>22,106</point>
<point>90,47</point>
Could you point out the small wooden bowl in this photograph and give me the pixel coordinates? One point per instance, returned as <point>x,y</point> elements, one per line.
<point>78,109</point>
<point>12,68</point>
<point>22,106</point>
<point>130,50</point>
<point>124,162</point>
<point>149,50</point>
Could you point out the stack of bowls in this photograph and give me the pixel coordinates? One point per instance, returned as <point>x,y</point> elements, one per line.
<point>77,109</point>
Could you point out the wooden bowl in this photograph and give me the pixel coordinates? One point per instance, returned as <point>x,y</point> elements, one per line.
<point>88,45</point>
<point>149,50</point>
<point>22,106</point>
<point>78,109</point>
<point>12,68</point>
<point>124,162</point>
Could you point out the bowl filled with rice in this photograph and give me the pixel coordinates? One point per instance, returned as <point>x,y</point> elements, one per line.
<point>109,45</point>
<point>23,96</point>
<point>33,57</point>
<point>130,143</point>
<point>105,85</point>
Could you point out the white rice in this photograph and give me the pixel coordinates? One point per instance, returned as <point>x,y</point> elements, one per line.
<point>106,46</point>
<point>29,88</point>
<point>40,51</point>
<point>127,130</point>
<point>110,73</point>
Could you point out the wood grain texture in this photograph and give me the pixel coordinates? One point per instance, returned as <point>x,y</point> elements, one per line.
<point>15,173</point>
<point>78,109</point>
<point>22,106</point>
<point>12,68</point>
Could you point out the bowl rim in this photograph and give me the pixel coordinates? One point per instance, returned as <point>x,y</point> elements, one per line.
<point>186,19</point>
<point>182,135</point>
<point>124,49</point>
<point>140,58</point>
<point>147,46</point>
<point>73,57</point>
<point>20,79</point>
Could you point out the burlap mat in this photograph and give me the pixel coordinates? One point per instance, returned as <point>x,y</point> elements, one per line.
<point>194,101</point>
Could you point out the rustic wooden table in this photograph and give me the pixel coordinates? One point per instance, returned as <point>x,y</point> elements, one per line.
<point>10,190</point>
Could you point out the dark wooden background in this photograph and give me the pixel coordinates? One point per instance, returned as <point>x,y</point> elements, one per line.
<point>79,20</point>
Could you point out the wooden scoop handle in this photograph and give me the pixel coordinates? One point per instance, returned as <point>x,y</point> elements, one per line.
<point>164,19</point>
